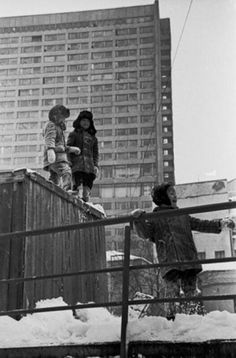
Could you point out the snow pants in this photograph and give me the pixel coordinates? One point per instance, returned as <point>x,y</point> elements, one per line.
<point>182,284</point>
<point>60,174</point>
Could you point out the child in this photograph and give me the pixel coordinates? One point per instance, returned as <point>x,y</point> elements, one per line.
<point>55,150</point>
<point>84,166</point>
<point>174,243</point>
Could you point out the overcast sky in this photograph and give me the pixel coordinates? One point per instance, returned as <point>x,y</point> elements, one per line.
<point>203,78</point>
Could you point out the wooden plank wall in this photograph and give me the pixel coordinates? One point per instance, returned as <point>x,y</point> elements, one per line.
<point>11,251</point>
<point>62,252</point>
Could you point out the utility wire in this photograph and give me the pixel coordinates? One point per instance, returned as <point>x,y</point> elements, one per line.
<point>182,32</point>
<point>163,92</point>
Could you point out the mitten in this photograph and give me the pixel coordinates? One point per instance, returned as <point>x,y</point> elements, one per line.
<point>137,213</point>
<point>51,156</point>
<point>74,150</point>
<point>227,223</point>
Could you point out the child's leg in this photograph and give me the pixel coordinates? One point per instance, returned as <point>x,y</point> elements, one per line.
<point>63,171</point>
<point>171,290</point>
<point>54,177</point>
<point>87,186</point>
<point>189,286</point>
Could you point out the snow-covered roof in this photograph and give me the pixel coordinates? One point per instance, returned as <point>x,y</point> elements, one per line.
<point>220,266</point>
<point>113,255</point>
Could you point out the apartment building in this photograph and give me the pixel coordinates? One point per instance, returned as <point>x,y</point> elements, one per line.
<point>114,62</point>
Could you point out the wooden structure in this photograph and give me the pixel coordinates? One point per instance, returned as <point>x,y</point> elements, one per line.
<point>29,202</point>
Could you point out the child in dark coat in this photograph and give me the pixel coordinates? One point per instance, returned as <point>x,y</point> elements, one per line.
<point>174,243</point>
<point>84,166</point>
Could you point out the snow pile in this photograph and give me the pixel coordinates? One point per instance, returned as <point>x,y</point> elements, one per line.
<point>98,325</point>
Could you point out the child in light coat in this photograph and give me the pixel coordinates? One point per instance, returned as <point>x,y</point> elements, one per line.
<point>55,159</point>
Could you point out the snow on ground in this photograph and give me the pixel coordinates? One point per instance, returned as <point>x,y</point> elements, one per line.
<point>98,325</point>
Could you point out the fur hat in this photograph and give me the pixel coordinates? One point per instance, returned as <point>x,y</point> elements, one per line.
<point>159,194</point>
<point>89,116</point>
<point>58,109</point>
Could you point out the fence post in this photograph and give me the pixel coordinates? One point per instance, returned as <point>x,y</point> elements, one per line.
<point>125,293</point>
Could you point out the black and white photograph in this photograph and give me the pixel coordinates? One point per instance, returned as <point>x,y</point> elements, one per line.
<point>118,179</point>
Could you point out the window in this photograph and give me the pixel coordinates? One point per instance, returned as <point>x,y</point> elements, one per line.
<point>29,60</point>
<point>29,81</point>
<point>52,80</point>
<point>26,137</point>
<point>28,92</point>
<point>54,37</point>
<point>77,78</point>
<point>29,49</point>
<point>27,125</point>
<point>36,38</point>
<point>165,141</point>
<point>53,91</point>
<point>165,152</point>
<point>102,44</point>
<point>100,55</point>
<point>77,57</point>
<point>125,53</point>
<point>77,89</point>
<point>55,47</point>
<point>102,33</point>
<point>148,51</point>
<point>147,85</point>
<point>106,172</point>
<point>52,101</point>
<point>28,103</point>
<point>123,31</point>
<point>56,58</point>
<point>147,96</point>
<point>8,61</point>
<point>146,40</point>
<point>101,66</point>
<point>201,255</point>
<point>219,254</point>
<point>53,69</point>
<point>7,104</point>
<point>78,35</point>
<point>147,169</point>
<point>77,67</point>
<point>166,164</point>
<point>30,70</point>
<point>102,76</point>
<point>8,50</point>
<point>146,29</point>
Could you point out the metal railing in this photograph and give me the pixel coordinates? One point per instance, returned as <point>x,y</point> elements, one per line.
<point>126,268</point>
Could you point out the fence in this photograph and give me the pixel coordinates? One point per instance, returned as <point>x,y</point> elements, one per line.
<point>125,302</point>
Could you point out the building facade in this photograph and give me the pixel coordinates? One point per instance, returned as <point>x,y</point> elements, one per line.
<point>114,62</point>
<point>210,246</point>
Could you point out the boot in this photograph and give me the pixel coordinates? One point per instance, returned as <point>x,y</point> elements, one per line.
<point>86,193</point>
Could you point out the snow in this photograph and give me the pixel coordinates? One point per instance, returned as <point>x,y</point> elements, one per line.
<point>96,325</point>
<point>220,266</point>
<point>113,255</point>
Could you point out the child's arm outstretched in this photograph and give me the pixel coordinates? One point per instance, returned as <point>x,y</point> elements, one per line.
<point>211,226</point>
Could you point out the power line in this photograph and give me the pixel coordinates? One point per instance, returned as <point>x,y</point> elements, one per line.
<point>182,32</point>
<point>160,104</point>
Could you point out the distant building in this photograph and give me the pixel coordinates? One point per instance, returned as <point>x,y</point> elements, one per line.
<point>114,62</point>
<point>210,192</point>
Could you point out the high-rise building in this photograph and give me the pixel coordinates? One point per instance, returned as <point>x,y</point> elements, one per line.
<point>114,62</point>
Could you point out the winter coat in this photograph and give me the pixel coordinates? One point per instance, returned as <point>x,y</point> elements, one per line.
<point>173,238</point>
<point>54,139</point>
<point>88,144</point>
